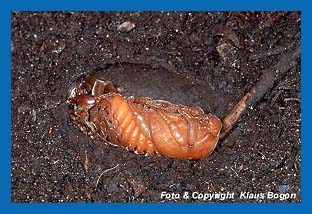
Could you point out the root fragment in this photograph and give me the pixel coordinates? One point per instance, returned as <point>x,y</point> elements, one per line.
<point>265,84</point>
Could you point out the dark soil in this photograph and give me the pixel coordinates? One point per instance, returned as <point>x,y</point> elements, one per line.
<point>200,59</point>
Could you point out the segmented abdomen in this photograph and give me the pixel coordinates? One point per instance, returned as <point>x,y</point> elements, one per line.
<point>150,130</point>
<point>132,130</point>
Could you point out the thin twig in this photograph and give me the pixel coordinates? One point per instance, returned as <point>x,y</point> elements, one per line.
<point>231,118</point>
<point>267,80</point>
<point>86,162</point>
<point>292,99</point>
<point>107,170</point>
<point>271,52</point>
